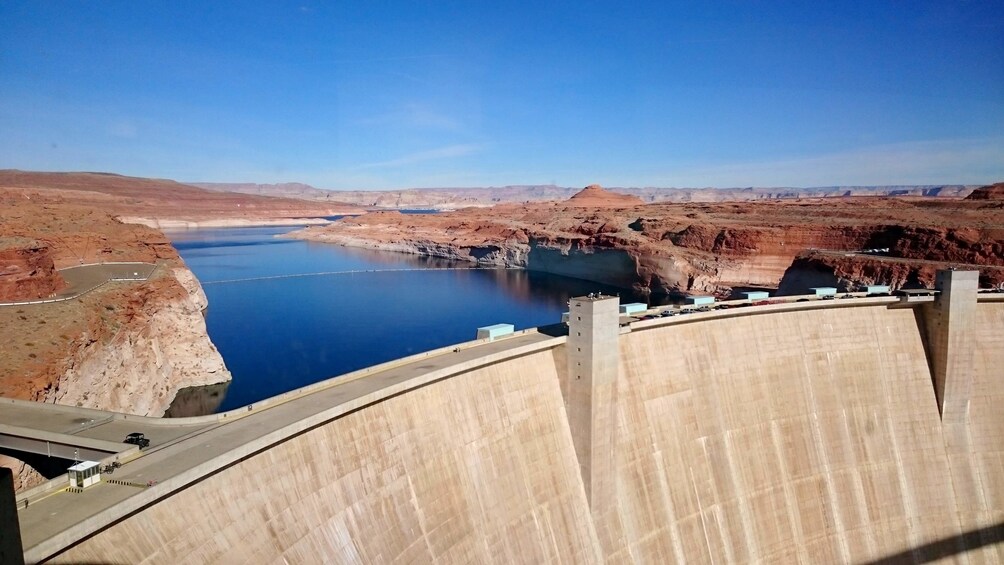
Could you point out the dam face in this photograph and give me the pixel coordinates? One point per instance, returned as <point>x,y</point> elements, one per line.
<point>809,436</point>
<point>787,435</point>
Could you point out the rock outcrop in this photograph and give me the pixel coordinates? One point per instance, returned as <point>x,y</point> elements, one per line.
<point>593,196</point>
<point>25,477</point>
<point>27,271</point>
<point>989,192</point>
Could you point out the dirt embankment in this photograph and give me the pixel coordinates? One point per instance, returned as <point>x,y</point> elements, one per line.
<point>686,248</point>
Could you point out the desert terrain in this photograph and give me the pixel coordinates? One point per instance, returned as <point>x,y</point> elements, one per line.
<point>453,198</point>
<point>157,201</point>
<point>674,248</point>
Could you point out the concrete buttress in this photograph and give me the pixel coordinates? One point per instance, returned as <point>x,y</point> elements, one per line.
<point>591,393</point>
<point>950,328</point>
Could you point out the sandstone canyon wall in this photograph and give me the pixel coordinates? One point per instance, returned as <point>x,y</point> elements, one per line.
<point>162,348</point>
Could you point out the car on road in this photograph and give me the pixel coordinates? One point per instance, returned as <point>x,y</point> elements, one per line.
<point>137,438</point>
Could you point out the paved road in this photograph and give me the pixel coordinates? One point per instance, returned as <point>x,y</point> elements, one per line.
<point>84,278</point>
<point>179,446</point>
<point>93,424</point>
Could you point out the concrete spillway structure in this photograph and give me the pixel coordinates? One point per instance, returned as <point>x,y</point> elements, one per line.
<point>825,432</point>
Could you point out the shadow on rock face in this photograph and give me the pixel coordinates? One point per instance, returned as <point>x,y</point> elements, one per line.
<point>197,401</point>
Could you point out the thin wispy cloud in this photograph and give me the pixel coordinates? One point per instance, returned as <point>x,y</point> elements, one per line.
<point>124,129</point>
<point>414,115</point>
<point>390,59</point>
<point>450,151</point>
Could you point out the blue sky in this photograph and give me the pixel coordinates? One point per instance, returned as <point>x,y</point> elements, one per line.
<point>380,95</point>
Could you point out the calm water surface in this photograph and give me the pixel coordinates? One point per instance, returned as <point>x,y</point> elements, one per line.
<point>277,334</point>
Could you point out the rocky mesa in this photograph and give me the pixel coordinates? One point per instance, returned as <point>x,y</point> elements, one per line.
<point>691,247</point>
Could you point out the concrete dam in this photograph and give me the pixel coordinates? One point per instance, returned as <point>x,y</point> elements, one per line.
<point>844,431</point>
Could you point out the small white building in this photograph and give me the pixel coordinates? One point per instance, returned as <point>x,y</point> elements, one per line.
<point>633,308</point>
<point>495,331</point>
<point>84,474</point>
<point>877,289</point>
<point>756,295</point>
<point>822,291</point>
<point>701,300</point>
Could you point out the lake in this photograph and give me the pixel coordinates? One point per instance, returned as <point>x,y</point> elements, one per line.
<point>280,325</point>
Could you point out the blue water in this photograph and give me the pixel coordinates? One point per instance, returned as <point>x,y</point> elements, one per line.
<point>283,333</point>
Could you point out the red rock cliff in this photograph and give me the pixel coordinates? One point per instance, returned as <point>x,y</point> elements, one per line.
<point>27,271</point>
<point>989,192</point>
<point>671,248</point>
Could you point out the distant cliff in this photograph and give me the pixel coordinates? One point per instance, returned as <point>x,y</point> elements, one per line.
<point>847,272</point>
<point>459,197</point>
<point>991,192</point>
<point>683,248</point>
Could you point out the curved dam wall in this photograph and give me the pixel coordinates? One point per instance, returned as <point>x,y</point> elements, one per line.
<point>802,435</point>
<point>474,468</point>
<point>806,436</point>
